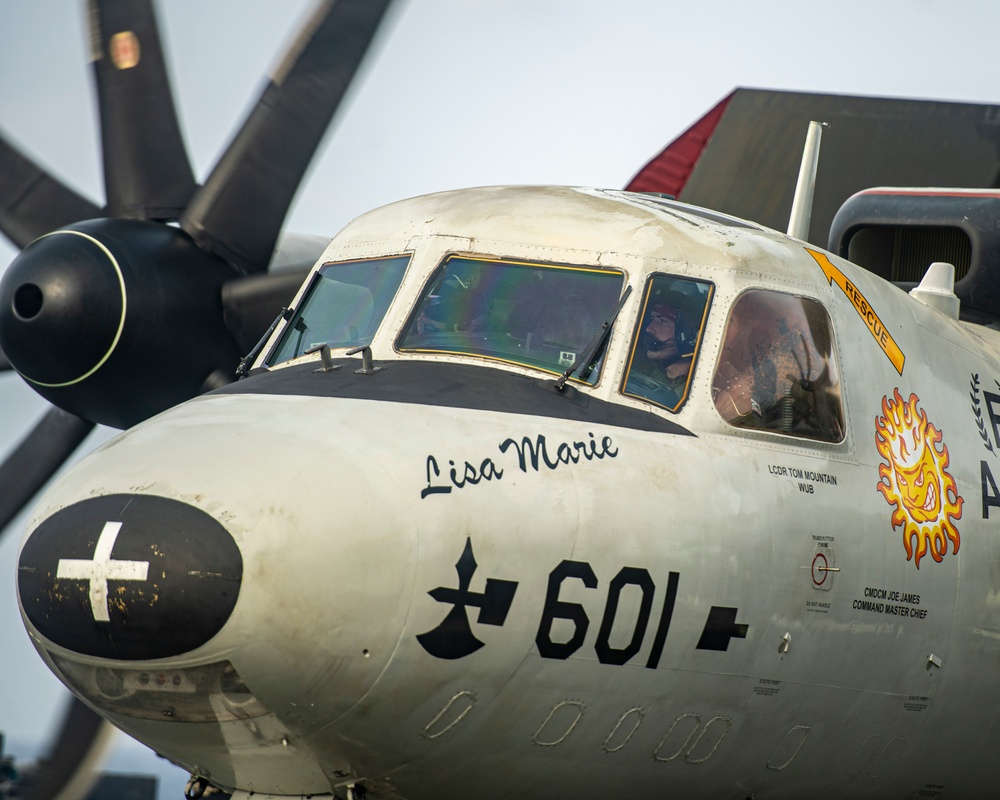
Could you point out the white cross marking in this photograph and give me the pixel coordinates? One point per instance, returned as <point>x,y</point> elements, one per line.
<point>102,569</point>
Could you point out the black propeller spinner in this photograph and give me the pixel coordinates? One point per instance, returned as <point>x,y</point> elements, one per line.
<point>116,313</point>
<point>115,320</point>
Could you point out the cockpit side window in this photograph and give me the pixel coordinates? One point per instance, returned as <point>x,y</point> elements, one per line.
<point>537,315</point>
<point>777,370</point>
<point>343,307</point>
<point>666,340</point>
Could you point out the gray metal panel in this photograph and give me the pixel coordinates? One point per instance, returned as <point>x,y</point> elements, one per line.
<point>751,162</point>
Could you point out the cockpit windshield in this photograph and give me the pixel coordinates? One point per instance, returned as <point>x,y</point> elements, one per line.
<point>538,315</point>
<point>343,306</point>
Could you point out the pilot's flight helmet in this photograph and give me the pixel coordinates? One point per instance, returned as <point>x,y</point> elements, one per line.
<point>686,330</point>
<point>685,308</point>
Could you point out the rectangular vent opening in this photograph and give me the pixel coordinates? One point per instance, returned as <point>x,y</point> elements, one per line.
<point>902,254</point>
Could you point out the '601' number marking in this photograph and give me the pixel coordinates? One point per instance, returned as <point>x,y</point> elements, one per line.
<point>574,612</point>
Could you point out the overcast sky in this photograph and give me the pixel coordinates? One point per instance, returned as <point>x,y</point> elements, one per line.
<point>460,93</point>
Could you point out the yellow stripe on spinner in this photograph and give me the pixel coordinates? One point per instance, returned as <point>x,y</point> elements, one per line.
<point>121,322</point>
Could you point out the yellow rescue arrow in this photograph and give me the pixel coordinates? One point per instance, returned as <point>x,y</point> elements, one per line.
<point>864,309</point>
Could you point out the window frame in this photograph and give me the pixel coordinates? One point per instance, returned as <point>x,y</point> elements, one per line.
<point>832,357</point>
<point>639,333</point>
<point>311,285</point>
<point>441,268</point>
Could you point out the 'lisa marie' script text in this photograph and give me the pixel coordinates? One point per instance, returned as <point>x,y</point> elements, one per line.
<point>532,454</point>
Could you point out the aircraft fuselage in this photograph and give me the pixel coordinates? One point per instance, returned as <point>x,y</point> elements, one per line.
<point>451,577</point>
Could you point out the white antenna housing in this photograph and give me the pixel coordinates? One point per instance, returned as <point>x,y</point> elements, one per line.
<point>805,186</point>
<point>937,289</point>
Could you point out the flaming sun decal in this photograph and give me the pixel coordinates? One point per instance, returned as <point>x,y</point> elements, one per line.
<point>915,479</point>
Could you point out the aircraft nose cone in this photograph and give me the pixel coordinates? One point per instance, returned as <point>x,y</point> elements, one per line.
<point>62,307</point>
<point>129,577</point>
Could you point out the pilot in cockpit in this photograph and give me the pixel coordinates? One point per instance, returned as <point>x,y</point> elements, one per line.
<point>442,309</point>
<point>671,334</point>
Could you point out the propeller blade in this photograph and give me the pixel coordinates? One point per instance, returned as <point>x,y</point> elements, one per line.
<point>147,173</point>
<point>32,202</point>
<point>70,768</point>
<point>37,458</point>
<point>239,211</point>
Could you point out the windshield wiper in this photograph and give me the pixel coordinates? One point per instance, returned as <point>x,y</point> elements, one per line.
<point>593,348</point>
<point>244,366</point>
